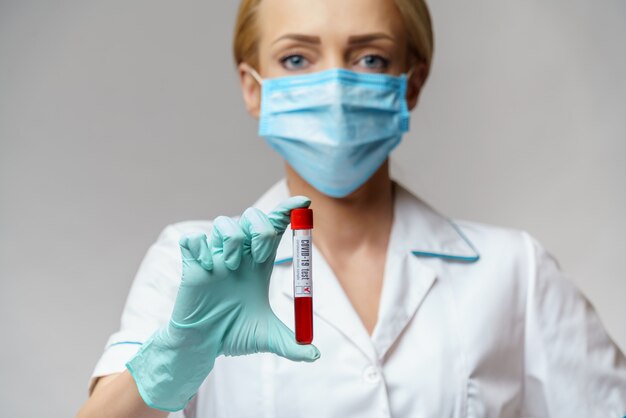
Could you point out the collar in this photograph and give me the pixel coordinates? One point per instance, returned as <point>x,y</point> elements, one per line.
<point>422,230</point>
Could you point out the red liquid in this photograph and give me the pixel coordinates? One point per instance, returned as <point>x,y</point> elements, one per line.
<point>303,308</point>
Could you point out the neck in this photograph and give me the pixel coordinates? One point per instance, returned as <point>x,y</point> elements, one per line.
<point>360,221</point>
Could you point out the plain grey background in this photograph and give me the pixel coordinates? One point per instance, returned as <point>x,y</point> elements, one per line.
<point>117,118</point>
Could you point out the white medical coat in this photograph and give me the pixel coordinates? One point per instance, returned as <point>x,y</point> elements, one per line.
<point>474,321</point>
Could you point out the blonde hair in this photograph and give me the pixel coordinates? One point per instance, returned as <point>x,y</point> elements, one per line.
<point>414,12</point>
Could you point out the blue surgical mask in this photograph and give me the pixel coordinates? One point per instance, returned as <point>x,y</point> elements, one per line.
<point>335,127</point>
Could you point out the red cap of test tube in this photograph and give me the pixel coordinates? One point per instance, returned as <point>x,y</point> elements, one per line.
<point>302,219</point>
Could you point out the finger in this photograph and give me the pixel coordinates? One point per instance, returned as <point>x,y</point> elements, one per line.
<point>227,238</point>
<point>279,216</point>
<point>261,233</point>
<point>282,341</point>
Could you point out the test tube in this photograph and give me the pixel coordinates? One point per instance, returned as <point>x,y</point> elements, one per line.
<point>302,225</point>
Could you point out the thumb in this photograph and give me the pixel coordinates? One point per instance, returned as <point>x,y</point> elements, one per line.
<point>280,215</point>
<point>185,252</point>
<point>195,248</point>
<point>282,341</point>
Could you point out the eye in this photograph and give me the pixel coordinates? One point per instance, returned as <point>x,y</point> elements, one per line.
<point>294,62</point>
<point>374,62</point>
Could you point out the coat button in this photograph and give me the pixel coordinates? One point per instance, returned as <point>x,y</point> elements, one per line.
<point>371,374</point>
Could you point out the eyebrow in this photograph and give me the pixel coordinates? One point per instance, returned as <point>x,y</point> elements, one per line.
<point>361,39</point>
<point>354,39</point>
<point>300,37</point>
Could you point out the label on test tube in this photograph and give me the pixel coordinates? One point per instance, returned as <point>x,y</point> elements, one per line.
<point>303,285</point>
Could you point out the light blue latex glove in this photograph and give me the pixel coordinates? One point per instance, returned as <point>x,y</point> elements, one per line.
<point>222,307</point>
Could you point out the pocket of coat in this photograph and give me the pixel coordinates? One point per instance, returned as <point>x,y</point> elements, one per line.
<point>475,403</point>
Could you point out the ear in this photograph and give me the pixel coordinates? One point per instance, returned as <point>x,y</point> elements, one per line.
<point>250,89</point>
<point>415,83</point>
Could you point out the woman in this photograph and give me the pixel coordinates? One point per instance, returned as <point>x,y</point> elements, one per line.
<point>415,315</point>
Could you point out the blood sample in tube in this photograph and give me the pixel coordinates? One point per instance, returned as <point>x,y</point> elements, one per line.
<point>302,226</point>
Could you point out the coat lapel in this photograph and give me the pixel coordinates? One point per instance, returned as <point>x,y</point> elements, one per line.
<point>406,283</point>
<point>418,231</point>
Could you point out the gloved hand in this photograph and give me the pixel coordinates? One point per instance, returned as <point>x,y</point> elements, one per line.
<point>222,307</point>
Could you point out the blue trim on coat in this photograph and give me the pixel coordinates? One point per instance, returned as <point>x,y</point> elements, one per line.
<point>447,256</point>
<point>283,261</point>
<point>126,342</point>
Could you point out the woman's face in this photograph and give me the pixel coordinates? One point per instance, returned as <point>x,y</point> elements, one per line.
<point>304,36</point>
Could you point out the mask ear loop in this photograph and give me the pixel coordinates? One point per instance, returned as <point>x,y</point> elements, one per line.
<point>410,72</point>
<point>253,73</point>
